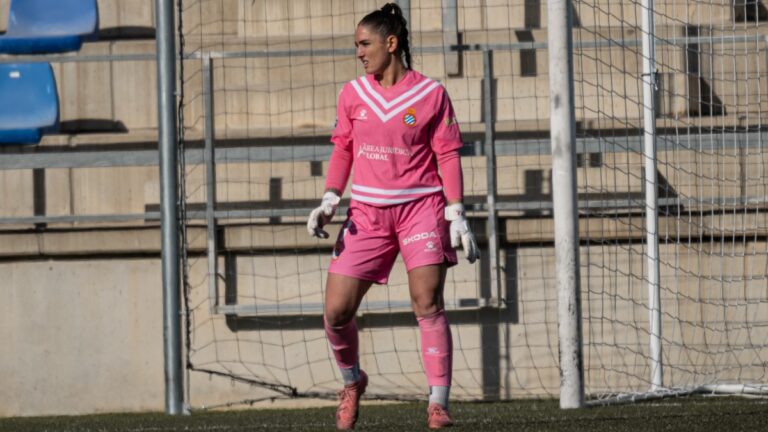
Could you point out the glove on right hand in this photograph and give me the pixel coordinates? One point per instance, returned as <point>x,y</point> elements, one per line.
<point>322,215</point>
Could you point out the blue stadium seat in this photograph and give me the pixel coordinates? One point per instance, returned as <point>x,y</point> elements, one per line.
<point>49,26</point>
<point>30,103</point>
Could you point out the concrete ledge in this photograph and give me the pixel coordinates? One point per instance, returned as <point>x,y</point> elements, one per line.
<point>90,242</point>
<point>632,228</point>
<point>245,238</point>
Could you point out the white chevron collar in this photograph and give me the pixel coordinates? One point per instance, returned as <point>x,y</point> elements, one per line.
<point>386,110</point>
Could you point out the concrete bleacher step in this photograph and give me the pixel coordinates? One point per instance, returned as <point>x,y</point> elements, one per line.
<point>301,18</point>
<point>598,13</point>
<point>101,134</point>
<point>625,228</point>
<point>296,92</point>
<point>296,95</point>
<point>286,237</point>
<point>126,18</point>
<point>523,14</point>
<point>123,92</point>
<point>698,179</point>
<point>115,241</point>
<point>310,108</point>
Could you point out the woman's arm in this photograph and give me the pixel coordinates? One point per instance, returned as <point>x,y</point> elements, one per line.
<point>446,142</point>
<point>340,165</point>
<point>449,164</point>
<point>339,168</point>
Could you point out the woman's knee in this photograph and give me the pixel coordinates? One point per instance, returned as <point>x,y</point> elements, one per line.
<point>426,287</point>
<point>338,316</point>
<point>342,297</point>
<point>425,305</point>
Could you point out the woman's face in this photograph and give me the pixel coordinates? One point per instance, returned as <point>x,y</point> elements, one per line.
<point>374,52</point>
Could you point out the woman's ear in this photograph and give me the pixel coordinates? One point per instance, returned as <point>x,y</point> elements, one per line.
<point>392,44</point>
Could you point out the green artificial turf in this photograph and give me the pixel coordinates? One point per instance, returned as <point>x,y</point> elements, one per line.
<point>680,414</point>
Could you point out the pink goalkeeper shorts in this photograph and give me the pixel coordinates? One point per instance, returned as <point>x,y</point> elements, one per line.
<point>372,236</point>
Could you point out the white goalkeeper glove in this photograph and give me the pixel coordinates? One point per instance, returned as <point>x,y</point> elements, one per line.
<point>322,215</point>
<point>460,232</point>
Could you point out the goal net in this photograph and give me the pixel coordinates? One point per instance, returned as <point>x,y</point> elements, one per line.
<point>709,107</point>
<point>258,87</point>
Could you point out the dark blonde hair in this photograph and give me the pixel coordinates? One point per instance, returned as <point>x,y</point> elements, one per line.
<point>389,20</point>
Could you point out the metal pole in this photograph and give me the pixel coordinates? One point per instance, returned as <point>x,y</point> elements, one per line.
<point>651,191</point>
<point>210,186</point>
<point>563,136</point>
<point>166,101</point>
<point>490,158</point>
<point>451,37</point>
<point>405,5</point>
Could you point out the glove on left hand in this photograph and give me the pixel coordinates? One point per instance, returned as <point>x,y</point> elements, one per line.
<point>461,235</point>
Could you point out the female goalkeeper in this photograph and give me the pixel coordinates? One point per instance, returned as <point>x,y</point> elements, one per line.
<point>399,130</point>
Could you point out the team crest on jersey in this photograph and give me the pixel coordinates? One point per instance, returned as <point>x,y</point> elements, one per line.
<point>410,117</point>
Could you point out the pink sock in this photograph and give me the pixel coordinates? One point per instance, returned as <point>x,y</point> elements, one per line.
<point>436,348</point>
<point>344,343</point>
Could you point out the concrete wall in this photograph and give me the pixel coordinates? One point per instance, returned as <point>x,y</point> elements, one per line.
<point>84,335</point>
<point>81,336</point>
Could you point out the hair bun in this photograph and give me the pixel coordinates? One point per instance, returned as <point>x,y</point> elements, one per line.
<point>392,8</point>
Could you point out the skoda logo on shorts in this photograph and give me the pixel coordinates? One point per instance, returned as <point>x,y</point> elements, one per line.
<point>410,117</point>
<point>419,237</point>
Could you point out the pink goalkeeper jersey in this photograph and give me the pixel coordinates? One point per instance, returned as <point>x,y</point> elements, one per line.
<point>393,137</point>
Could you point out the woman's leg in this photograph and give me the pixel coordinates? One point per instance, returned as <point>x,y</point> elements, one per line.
<point>343,295</point>
<point>426,288</point>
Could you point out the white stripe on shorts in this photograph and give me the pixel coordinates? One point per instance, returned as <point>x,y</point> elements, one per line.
<point>396,192</point>
<point>372,200</point>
